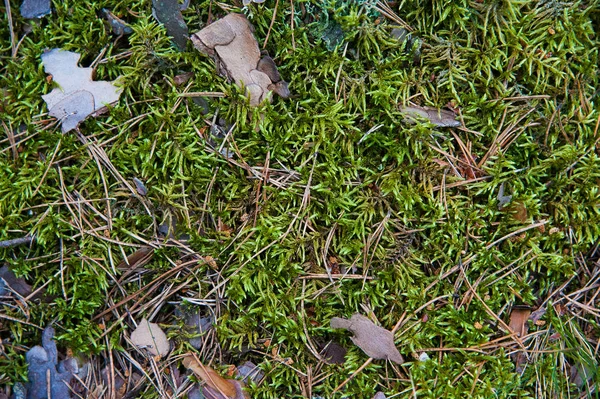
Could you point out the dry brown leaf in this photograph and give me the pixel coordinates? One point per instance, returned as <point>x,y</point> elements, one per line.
<point>78,95</point>
<point>215,386</point>
<point>375,341</point>
<point>439,117</point>
<point>137,259</point>
<point>151,336</point>
<point>537,314</point>
<point>518,209</point>
<point>333,353</point>
<point>231,43</point>
<point>518,320</point>
<point>8,282</point>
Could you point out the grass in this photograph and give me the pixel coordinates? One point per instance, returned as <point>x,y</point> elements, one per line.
<point>412,208</point>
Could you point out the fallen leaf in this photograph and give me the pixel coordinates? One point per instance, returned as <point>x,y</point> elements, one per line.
<point>78,95</point>
<point>140,187</point>
<point>150,336</point>
<point>503,200</point>
<point>168,13</point>
<point>333,353</point>
<point>46,376</point>
<point>233,47</point>
<point>117,25</point>
<point>518,320</point>
<point>216,387</point>
<point>250,371</point>
<point>537,314</point>
<point>35,8</point>
<point>137,259</point>
<point>518,211</point>
<point>183,78</point>
<point>375,341</point>
<point>581,374</point>
<point>9,282</point>
<point>198,325</point>
<point>379,395</point>
<point>438,117</point>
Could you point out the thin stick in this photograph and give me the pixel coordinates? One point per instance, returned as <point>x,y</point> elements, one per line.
<point>516,232</point>
<point>271,25</point>
<point>203,94</point>
<point>16,241</point>
<point>10,27</point>
<point>292,25</point>
<point>347,380</point>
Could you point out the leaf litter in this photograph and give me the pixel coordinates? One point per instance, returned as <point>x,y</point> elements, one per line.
<point>46,375</point>
<point>31,9</point>
<point>151,337</point>
<point>9,282</point>
<point>232,45</point>
<point>436,116</point>
<point>215,386</point>
<point>168,13</point>
<point>117,25</point>
<point>78,95</point>
<point>375,341</point>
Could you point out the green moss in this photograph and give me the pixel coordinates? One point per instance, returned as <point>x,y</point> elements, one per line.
<point>373,202</point>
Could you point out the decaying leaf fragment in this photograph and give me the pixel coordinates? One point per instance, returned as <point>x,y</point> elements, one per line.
<point>78,95</point>
<point>215,386</point>
<point>150,336</point>
<point>233,47</point>
<point>518,320</point>
<point>117,25</point>
<point>47,376</point>
<point>518,324</point>
<point>503,200</point>
<point>35,8</point>
<point>375,341</point>
<point>438,117</point>
<point>9,282</point>
<point>168,13</point>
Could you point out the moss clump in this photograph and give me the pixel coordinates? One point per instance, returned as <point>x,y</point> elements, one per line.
<point>413,208</point>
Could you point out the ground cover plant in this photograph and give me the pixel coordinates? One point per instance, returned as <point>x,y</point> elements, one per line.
<point>243,231</point>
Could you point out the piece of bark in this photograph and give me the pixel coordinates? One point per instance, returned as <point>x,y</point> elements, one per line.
<point>375,341</point>
<point>230,42</point>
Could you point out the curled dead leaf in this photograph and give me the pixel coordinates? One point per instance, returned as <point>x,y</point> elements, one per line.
<point>375,341</point>
<point>216,387</point>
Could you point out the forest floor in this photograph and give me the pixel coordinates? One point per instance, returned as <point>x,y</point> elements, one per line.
<point>472,233</point>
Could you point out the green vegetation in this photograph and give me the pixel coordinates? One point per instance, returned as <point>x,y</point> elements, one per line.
<point>413,208</point>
